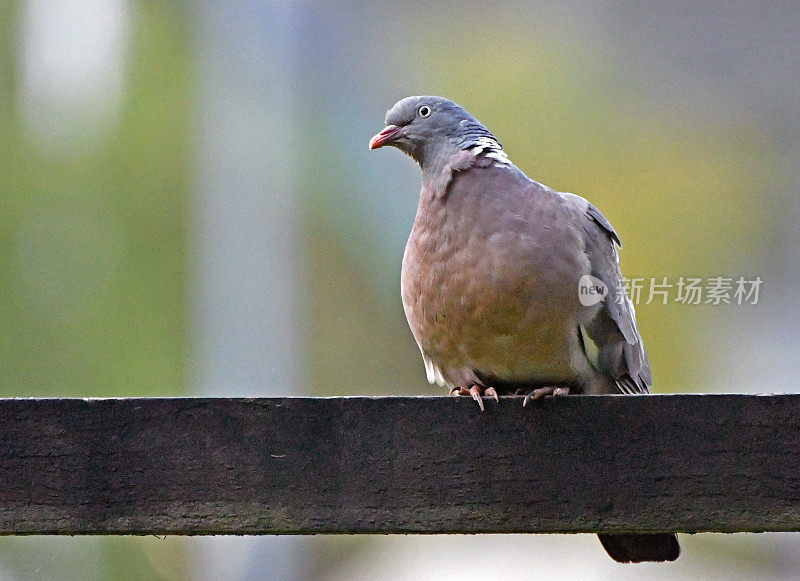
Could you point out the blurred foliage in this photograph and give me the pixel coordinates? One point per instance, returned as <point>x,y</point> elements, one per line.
<point>93,244</point>
<point>94,558</point>
<point>360,340</point>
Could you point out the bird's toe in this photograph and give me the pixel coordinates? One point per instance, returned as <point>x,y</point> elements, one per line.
<point>540,392</point>
<point>477,392</point>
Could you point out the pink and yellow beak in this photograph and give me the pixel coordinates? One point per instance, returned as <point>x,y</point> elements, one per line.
<point>386,135</point>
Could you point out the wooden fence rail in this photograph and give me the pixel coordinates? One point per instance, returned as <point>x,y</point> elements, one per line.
<point>400,465</point>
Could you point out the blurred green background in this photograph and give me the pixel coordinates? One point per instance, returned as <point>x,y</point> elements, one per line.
<point>189,207</point>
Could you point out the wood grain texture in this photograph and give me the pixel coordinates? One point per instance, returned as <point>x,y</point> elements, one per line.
<point>400,464</point>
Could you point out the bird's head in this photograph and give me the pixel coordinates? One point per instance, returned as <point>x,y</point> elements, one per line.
<point>431,130</point>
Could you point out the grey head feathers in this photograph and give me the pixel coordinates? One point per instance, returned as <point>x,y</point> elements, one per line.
<point>433,129</point>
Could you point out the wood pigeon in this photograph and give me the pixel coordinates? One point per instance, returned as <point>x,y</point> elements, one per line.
<point>510,287</point>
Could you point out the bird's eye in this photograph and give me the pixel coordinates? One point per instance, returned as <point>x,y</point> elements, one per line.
<point>424,111</point>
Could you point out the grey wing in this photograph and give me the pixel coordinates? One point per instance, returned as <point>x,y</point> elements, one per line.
<point>620,352</point>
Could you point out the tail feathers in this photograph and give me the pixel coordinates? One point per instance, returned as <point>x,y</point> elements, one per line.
<point>636,548</point>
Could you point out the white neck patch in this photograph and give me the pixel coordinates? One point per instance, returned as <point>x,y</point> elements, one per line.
<point>491,149</point>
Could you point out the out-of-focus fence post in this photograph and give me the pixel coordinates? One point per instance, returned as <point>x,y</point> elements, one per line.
<point>246,257</point>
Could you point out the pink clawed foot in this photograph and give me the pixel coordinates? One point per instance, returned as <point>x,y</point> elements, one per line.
<point>543,391</point>
<point>477,392</point>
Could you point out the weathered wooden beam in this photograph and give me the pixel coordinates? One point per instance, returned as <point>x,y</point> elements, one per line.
<point>400,464</point>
